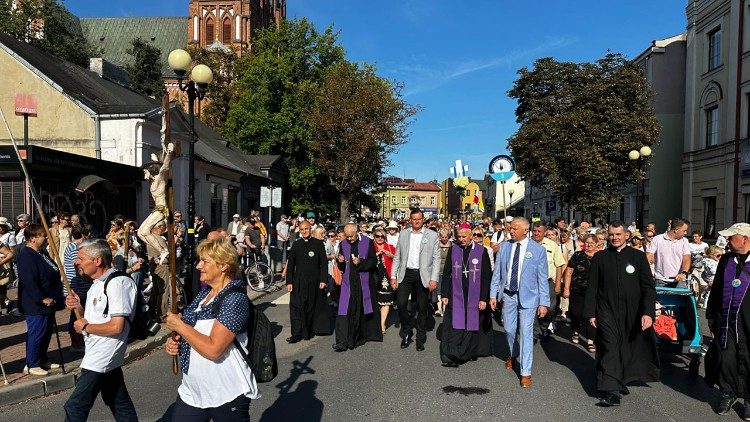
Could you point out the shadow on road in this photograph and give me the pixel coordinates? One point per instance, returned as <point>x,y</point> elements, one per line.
<point>674,374</point>
<point>299,405</point>
<point>575,358</point>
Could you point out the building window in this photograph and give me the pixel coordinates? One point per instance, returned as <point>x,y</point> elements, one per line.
<point>432,200</point>
<point>403,200</point>
<point>394,200</point>
<point>712,126</point>
<point>709,217</point>
<point>226,35</point>
<point>714,49</point>
<point>210,34</point>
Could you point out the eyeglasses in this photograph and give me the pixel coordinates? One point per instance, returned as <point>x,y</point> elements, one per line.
<point>379,236</point>
<point>331,235</point>
<point>478,235</point>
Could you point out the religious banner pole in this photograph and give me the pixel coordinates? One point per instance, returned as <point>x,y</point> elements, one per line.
<point>42,217</point>
<point>505,207</point>
<point>171,230</point>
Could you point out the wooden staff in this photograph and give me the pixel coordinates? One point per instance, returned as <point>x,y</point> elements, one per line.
<point>171,230</point>
<point>53,247</point>
<point>126,245</point>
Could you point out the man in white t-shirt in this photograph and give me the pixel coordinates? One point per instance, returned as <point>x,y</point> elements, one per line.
<point>670,253</point>
<point>105,336</point>
<point>282,233</point>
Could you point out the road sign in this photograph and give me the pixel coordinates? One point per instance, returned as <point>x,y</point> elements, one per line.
<point>276,198</point>
<point>270,197</point>
<point>551,206</point>
<point>536,217</point>
<point>502,168</point>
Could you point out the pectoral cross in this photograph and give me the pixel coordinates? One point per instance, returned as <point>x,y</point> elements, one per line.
<point>457,267</point>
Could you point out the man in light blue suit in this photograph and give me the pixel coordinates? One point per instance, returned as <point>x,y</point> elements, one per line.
<point>520,279</point>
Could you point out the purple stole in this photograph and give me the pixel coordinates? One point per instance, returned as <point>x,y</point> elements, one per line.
<point>732,298</point>
<point>364,277</point>
<point>466,317</point>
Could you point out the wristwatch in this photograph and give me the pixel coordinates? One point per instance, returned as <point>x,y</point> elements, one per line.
<point>83,330</point>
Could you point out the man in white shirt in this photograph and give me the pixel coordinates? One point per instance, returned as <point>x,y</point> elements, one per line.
<point>670,253</point>
<point>282,233</point>
<point>105,336</point>
<point>236,227</point>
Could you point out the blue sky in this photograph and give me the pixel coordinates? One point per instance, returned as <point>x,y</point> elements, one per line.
<point>457,59</point>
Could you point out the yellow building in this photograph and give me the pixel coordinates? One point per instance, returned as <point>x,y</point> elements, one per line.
<point>399,196</point>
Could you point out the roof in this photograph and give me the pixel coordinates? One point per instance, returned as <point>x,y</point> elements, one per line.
<point>99,95</point>
<point>114,36</point>
<point>428,186</point>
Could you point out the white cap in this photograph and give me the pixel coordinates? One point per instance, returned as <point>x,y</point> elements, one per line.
<point>742,229</point>
<point>392,225</point>
<point>236,216</point>
<point>509,219</point>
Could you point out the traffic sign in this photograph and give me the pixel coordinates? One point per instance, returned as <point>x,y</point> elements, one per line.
<point>551,206</point>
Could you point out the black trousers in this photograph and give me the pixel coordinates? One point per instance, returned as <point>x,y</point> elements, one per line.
<point>114,393</point>
<point>412,285</point>
<point>235,410</point>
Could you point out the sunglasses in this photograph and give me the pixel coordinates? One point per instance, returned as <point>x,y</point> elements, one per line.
<point>331,235</point>
<point>379,236</point>
<point>477,234</point>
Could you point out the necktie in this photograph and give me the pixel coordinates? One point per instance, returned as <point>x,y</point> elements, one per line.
<point>514,269</point>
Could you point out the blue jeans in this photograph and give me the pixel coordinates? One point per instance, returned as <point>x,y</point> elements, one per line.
<point>114,393</point>
<point>236,410</point>
<point>38,335</point>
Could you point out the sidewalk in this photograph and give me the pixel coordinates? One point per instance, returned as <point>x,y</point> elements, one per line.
<point>23,387</point>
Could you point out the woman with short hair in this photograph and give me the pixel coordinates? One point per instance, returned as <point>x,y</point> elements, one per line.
<point>217,382</point>
<point>384,253</point>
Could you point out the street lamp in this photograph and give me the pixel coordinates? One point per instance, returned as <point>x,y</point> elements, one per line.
<point>510,195</point>
<point>200,76</point>
<point>640,156</point>
<point>382,205</point>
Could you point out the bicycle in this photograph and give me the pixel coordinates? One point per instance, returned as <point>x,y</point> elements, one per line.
<point>258,275</point>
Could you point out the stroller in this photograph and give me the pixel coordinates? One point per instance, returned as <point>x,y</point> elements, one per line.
<point>679,303</point>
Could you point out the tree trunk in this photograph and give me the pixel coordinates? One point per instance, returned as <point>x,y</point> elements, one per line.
<point>344,210</point>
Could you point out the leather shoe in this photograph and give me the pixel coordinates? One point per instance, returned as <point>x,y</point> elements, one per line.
<point>450,365</point>
<point>525,381</point>
<point>610,399</point>
<point>293,339</point>
<point>509,362</point>
<point>725,406</point>
<point>405,342</point>
<point>339,348</point>
<point>420,346</point>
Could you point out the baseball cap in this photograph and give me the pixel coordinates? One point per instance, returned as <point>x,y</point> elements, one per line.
<point>236,216</point>
<point>742,229</point>
<point>310,214</point>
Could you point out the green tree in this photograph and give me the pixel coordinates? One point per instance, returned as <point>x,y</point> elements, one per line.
<point>49,26</point>
<point>274,89</point>
<point>577,123</point>
<point>358,119</point>
<point>145,71</point>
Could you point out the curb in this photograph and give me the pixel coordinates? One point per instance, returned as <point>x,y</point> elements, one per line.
<point>52,384</point>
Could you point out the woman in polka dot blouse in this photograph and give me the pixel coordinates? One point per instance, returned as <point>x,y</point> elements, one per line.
<point>217,383</point>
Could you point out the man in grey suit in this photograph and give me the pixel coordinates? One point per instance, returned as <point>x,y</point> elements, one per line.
<point>415,271</point>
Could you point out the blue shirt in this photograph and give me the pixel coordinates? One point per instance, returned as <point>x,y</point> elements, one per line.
<point>233,314</point>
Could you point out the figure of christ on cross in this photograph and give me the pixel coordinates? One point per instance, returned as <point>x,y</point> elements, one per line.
<point>158,176</point>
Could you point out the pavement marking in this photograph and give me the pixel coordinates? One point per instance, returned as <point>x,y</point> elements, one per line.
<point>282,300</point>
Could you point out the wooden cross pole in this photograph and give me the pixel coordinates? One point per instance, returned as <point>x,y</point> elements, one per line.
<point>171,229</point>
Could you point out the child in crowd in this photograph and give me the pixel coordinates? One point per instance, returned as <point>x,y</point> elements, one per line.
<point>711,261</point>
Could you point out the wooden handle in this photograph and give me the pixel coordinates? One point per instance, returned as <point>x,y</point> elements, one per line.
<point>175,365</point>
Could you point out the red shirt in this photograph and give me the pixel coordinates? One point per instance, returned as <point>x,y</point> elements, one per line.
<point>387,260</point>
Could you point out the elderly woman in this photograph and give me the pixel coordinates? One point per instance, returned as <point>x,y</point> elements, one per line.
<point>40,294</point>
<point>576,281</point>
<point>217,383</point>
<point>384,252</point>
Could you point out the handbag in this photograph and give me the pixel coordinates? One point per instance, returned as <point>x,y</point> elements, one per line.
<point>6,273</point>
<point>337,275</point>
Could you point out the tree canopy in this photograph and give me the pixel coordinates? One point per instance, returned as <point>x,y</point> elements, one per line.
<point>578,123</point>
<point>49,26</point>
<point>145,71</point>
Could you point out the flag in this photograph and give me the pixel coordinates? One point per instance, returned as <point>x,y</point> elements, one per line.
<point>476,197</point>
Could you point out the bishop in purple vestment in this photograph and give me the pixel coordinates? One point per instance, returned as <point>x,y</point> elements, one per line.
<point>465,292</point>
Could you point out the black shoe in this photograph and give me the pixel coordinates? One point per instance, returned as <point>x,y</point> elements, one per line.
<point>450,365</point>
<point>339,348</point>
<point>405,342</point>
<point>609,400</point>
<point>625,391</point>
<point>746,411</point>
<point>420,346</point>
<point>725,405</point>
<point>293,339</point>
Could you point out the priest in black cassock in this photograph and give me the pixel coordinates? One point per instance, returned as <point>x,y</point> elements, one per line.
<point>358,319</point>
<point>465,292</point>
<point>620,303</point>
<point>306,276</point>
<point>728,314</point>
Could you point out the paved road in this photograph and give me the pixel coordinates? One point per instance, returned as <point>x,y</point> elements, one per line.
<point>381,382</point>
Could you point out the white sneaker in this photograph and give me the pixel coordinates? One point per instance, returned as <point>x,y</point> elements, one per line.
<point>35,371</point>
<point>49,365</point>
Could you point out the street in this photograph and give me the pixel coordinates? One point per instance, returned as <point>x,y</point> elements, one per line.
<point>381,382</point>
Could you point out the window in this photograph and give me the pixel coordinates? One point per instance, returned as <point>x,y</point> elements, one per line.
<point>712,126</point>
<point>403,200</point>
<point>226,35</point>
<point>394,200</point>
<point>714,49</point>
<point>210,34</point>
<point>432,200</point>
<point>709,217</point>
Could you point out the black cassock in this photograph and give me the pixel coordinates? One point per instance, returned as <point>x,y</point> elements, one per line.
<point>620,291</point>
<point>356,328</point>
<point>457,345</point>
<point>307,267</point>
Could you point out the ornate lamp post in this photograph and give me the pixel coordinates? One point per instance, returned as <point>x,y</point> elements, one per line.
<point>640,156</point>
<point>510,196</point>
<point>200,76</point>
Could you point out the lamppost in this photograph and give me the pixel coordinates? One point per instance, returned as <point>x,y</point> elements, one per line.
<point>640,156</point>
<point>510,195</point>
<point>382,205</point>
<point>200,76</point>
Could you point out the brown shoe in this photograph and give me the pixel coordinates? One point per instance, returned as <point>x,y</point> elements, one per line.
<point>525,381</point>
<point>509,362</point>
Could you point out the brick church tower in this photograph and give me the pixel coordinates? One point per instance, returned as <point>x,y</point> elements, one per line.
<point>231,22</point>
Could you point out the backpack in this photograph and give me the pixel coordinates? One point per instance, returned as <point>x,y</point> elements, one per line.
<point>140,321</point>
<point>261,356</point>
